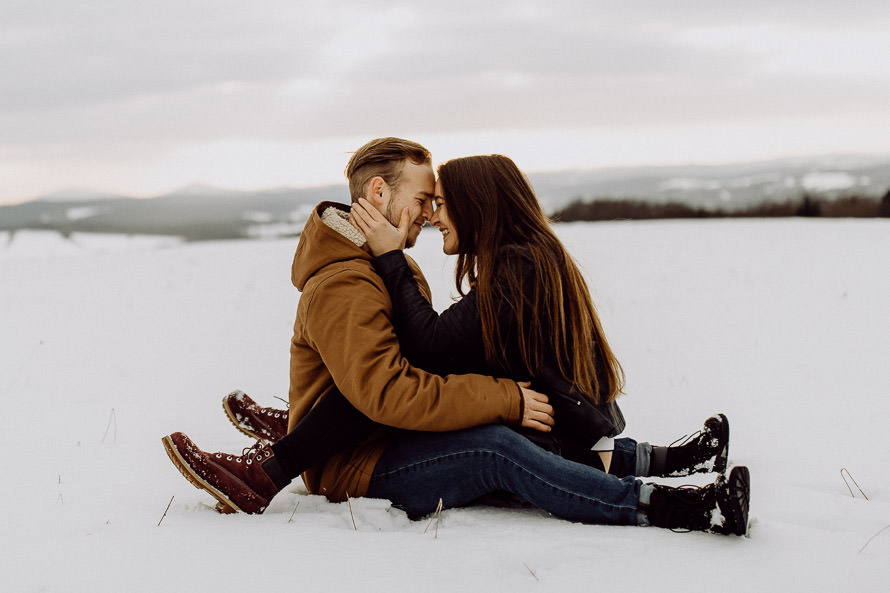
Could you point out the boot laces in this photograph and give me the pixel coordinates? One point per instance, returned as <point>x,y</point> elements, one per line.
<point>684,506</point>
<point>256,451</point>
<point>248,454</point>
<point>686,439</point>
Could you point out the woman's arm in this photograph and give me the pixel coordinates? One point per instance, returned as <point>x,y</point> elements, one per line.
<point>444,340</point>
<point>422,331</point>
<point>438,342</point>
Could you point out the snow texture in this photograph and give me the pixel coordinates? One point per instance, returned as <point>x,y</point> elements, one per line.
<point>107,345</point>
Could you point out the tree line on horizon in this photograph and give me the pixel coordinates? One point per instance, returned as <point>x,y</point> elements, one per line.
<point>806,205</point>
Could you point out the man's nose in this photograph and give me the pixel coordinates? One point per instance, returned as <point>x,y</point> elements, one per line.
<point>427,210</point>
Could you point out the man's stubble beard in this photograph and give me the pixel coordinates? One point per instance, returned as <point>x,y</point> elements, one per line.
<point>394,221</point>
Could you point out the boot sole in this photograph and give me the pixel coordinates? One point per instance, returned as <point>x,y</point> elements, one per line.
<point>722,457</point>
<point>196,480</point>
<point>734,501</point>
<point>234,420</point>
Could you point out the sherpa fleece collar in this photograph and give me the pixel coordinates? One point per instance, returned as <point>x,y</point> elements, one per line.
<point>338,220</point>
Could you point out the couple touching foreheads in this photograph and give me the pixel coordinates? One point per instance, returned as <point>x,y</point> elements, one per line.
<point>510,390</point>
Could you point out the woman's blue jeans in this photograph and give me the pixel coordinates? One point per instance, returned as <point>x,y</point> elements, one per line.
<point>419,468</point>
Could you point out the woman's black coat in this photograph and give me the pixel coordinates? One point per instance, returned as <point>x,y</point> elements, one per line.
<point>451,343</point>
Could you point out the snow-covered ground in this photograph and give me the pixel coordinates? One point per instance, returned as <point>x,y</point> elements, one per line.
<point>107,345</point>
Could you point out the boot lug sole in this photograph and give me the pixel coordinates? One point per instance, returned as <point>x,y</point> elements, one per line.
<point>196,480</point>
<point>234,420</point>
<point>720,461</point>
<point>734,504</point>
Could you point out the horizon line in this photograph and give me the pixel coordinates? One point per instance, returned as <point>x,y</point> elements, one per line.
<point>87,193</point>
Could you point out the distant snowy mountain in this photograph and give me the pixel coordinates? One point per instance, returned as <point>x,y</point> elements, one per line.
<point>194,212</point>
<point>75,195</point>
<point>730,187</point>
<point>198,190</point>
<point>203,212</point>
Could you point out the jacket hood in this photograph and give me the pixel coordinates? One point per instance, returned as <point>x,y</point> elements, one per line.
<point>326,239</point>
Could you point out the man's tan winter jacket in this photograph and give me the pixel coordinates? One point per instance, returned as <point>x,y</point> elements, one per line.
<point>343,337</point>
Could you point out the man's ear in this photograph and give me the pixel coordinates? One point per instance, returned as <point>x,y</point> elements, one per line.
<point>376,188</point>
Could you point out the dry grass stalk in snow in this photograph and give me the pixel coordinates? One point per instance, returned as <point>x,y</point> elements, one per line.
<point>880,531</point>
<point>436,514</point>
<point>167,509</point>
<point>296,506</point>
<point>843,469</point>
<point>349,504</point>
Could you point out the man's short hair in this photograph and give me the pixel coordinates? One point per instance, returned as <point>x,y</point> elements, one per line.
<point>382,157</point>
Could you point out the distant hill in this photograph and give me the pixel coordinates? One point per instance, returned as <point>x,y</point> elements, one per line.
<point>203,213</point>
<point>194,213</point>
<point>727,187</point>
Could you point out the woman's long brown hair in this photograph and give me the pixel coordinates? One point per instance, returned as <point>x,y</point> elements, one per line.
<point>491,205</point>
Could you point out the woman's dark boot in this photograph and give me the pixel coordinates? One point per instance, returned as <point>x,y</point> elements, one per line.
<point>721,507</point>
<point>704,451</point>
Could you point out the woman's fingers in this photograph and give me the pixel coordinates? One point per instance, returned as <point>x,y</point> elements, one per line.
<point>373,214</point>
<point>381,235</point>
<point>405,222</point>
<point>361,216</point>
<point>364,213</point>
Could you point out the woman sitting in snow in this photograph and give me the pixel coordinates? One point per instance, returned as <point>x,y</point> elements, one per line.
<point>528,315</point>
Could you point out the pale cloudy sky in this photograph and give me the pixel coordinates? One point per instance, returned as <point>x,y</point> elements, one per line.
<point>144,97</point>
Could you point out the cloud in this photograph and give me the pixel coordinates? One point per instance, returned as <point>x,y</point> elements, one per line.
<point>138,80</point>
<point>100,52</point>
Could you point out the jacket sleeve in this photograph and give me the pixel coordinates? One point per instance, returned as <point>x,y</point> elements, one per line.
<point>349,325</point>
<point>426,334</point>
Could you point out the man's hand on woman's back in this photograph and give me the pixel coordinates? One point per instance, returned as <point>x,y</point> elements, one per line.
<point>537,413</point>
